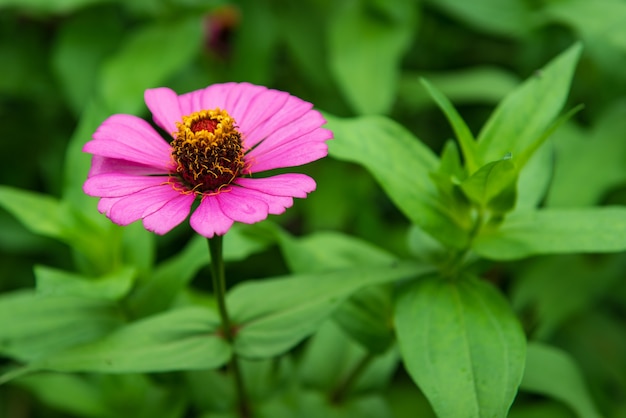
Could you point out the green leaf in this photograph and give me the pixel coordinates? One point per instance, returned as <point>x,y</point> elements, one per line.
<point>599,21</point>
<point>37,325</point>
<point>493,186</point>
<point>182,339</point>
<point>273,315</point>
<point>401,164</point>
<point>365,49</point>
<point>469,85</point>
<point>50,6</point>
<point>47,216</point>
<point>367,314</point>
<point>68,393</point>
<point>331,356</point>
<point>113,286</point>
<point>150,55</point>
<point>325,251</point>
<point>507,18</point>
<point>462,132</point>
<point>538,289</point>
<point>553,231</point>
<point>535,178</point>
<point>172,276</point>
<point>462,345</point>
<point>589,162</point>
<point>529,110</point>
<point>368,317</point>
<point>552,372</point>
<point>80,39</point>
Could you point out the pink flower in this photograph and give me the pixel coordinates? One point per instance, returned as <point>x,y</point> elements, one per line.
<point>223,136</point>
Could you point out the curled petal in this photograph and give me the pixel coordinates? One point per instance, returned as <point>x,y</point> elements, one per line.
<point>209,219</point>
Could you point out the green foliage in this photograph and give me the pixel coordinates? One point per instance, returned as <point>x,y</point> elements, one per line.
<point>462,256</point>
<point>462,345</point>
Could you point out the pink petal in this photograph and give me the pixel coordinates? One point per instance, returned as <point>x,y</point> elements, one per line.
<point>169,215</point>
<point>130,138</point>
<point>239,100</point>
<point>288,155</point>
<point>163,103</point>
<point>106,165</point>
<point>242,208</point>
<point>135,206</point>
<point>118,185</point>
<point>208,98</point>
<point>291,110</point>
<point>291,184</point>
<point>275,204</point>
<point>209,219</point>
<point>261,108</point>
<point>296,131</point>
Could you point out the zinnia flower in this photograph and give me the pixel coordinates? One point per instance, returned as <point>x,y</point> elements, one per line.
<point>223,136</point>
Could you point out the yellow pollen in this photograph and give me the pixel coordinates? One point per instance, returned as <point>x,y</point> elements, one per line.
<point>207,150</point>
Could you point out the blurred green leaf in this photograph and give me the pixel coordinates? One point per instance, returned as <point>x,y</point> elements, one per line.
<point>325,251</point>
<point>552,372</point>
<point>149,56</point>
<point>50,6</point>
<point>182,339</point>
<point>255,43</point>
<point>113,286</point>
<point>551,231</point>
<point>528,111</point>
<point>535,178</point>
<point>589,162</point>
<point>47,216</point>
<point>600,19</point>
<point>462,132</point>
<point>68,393</point>
<point>35,326</point>
<point>367,316</point>
<point>493,185</point>
<point>365,49</point>
<point>538,289</point>
<point>462,345</point>
<point>275,314</point>
<point>466,86</point>
<point>508,18</point>
<point>401,164</point>
<point>330,356</point>
<point>79,50</point>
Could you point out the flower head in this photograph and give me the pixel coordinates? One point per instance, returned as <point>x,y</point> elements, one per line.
<point>222,136</point>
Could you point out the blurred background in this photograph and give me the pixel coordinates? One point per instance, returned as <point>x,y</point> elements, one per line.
<point>65,65</point>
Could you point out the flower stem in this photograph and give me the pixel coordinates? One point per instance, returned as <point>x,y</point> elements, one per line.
<point>219,288</point>
<point>341,391</point>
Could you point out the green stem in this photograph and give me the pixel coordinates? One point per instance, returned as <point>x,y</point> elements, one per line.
<point>341,391</point>
<point>219,288</point>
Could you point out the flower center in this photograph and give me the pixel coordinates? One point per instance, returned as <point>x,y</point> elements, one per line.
<point>207,150</point>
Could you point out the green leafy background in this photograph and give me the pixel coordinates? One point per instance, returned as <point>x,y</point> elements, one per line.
<point>464,248</point>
